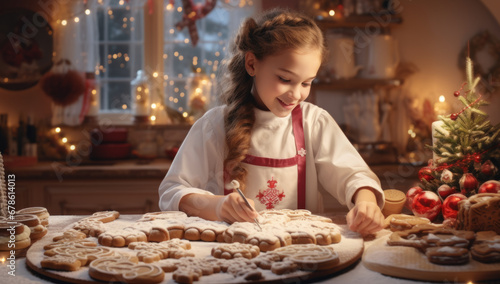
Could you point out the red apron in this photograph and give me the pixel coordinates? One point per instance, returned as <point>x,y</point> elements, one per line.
<point>279,183</point>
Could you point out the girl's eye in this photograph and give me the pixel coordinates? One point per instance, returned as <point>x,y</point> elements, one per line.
<point>283,79</point>
<point>306,84</point>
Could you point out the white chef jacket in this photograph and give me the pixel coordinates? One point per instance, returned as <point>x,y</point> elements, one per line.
<point>332,163</point>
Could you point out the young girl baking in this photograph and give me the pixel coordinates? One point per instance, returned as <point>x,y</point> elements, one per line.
<point>282,151</point>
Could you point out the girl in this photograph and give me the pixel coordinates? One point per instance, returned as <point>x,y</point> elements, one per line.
<point>284,152</point>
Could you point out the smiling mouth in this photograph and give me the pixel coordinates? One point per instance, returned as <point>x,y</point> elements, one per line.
<point>285,104</point>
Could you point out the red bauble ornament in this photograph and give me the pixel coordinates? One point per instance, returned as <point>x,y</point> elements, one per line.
<point>468,182</point>
<point>488,169</point>
<point>491,186</point>
<point>426,204</point>
<point>456,94</point>
<point>450,205</point>
<point>425,173</point>
<point>453,116</point>
<point>445,190</point>
<point>410,194</point>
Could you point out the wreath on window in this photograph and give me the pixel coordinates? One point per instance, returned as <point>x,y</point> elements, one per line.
<point>490,79</point>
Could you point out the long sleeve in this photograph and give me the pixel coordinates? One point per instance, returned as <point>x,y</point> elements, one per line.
<point>339,167</point>
<point>198,165</point>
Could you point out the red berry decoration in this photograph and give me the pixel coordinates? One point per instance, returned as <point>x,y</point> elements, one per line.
<point>445,190</point>
<point>453,116</point>
<point>450,205</point>
<point>488,169</point>
<point>456,93</point>
<point>426,204</point>
<point>468,183</point>
<point>425,173</point>
<point>410,195</point>
<point>491,186</point>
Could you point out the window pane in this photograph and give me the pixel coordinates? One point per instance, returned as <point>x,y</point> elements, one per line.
<point>118,95</point>
<point>118,65</point>
<point>118,24</point>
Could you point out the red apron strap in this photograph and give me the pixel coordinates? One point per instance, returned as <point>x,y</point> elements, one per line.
<point>298,132</point>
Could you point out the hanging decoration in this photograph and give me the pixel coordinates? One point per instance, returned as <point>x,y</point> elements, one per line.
<point>192,13</point>
<point>63,84</point>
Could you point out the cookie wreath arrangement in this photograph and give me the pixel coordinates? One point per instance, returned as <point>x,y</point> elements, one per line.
<point>160,246</point>
<point>454,232</point>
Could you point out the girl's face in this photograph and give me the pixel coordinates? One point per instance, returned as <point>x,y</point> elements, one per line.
<point>283,80</point>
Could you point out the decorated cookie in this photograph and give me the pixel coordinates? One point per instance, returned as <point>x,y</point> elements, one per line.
<point>70,234</point>
<point>310,256</point>
<point>90,227</point>
<point>17,241</point>
<point>40,212</point>
<point>235,250</point>
<point>401,222</point>
<point>104,216</point>
<point>196,229</point>
<point>283,267</point>
<point>447,255</point>
<point>449,237</point>
<point>266,260</point>
<point>487,252</point>
<point>114,269</point>
<point>121,237</point>
<point>37,230</point>
<point>152,252</point>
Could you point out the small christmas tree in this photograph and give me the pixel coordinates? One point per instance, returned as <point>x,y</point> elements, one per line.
<point>467,147</point>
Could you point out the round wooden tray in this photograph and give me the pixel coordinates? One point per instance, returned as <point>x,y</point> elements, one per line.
<point>349,250</point>
<point>409,263</point>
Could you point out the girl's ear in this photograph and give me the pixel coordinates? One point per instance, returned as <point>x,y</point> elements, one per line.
<point>250,61</point>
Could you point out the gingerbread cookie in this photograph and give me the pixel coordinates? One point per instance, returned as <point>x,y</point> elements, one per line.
<point>112,269</point>
<point>91,227</point>
<point>33,222</point>
<point>242,267</point>
<point>401,222</point>
<point>313,232</point>
<point>196,229</point>
<point>235,250</point>
<point>487,252</point>
<point>70,234</point>
<point>21,239</point>
<point>70,243</point>
<point>121,237</point>
<point>104,216</point>
<point>40,212</point>
<point>447,255</point>
<point>266,260</point>
<point>153,232</point>
<point>412,237</point>
<point>190,269</point>
<point>152,252</point>
<point>310,257</point>
<point>163,215</point>
<point>283,267</point>
<point>449,237</point>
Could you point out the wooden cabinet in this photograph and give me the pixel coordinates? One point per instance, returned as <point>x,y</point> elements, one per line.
<point>82,197</point>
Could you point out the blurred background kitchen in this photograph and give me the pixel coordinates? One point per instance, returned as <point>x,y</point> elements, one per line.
<point>96,96</point>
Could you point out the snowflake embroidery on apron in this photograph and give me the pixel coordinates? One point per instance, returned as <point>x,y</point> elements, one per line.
<point>270,196</point>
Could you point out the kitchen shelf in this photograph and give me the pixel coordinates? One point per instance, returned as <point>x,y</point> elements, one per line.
<point>360,21</point>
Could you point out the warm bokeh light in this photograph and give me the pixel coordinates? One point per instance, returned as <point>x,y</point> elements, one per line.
<point>58,129</point>
<point>64,139</point>
<point>72,147</point>
<point>331,13</point>
<point>441,98</point>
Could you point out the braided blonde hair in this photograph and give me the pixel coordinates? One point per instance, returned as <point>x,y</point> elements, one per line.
<point>276,30</point>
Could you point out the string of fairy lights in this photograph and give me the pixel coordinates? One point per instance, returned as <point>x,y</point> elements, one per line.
<point>121,59</point>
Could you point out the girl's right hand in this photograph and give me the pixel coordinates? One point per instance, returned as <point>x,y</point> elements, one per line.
<point>232,208</point>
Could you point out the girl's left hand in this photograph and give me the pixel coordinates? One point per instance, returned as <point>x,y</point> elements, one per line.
<point>365,218</point>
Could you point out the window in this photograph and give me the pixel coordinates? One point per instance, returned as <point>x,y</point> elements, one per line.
<point>122,46</point>
<point>121,51</point>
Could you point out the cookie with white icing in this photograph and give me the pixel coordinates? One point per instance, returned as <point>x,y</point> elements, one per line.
<point>235,250</point>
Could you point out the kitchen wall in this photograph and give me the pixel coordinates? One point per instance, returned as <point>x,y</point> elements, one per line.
<point>431,37</point>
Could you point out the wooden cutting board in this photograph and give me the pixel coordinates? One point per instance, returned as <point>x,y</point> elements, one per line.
<point>349,250</point>
<point>406,262</point>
